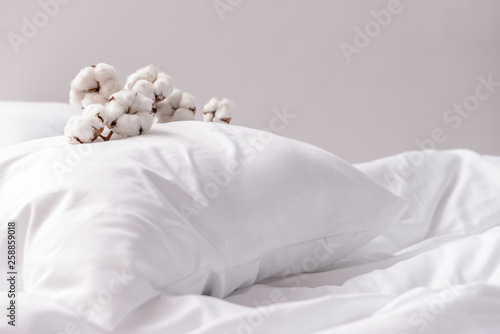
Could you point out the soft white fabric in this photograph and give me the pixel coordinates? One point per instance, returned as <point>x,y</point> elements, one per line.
<point>443,276</point>
<point>188,208</point>
<point>436,273</point>
<point>23,121</point>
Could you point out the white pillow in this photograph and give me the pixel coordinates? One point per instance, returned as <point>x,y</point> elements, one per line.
<point>187,208</point>
<point>23,121</point>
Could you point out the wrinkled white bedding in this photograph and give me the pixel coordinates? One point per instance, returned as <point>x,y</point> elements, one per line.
<point>439,273</point>
<point>436,273</point>
<point>23,121</point>
<point>190,208</point>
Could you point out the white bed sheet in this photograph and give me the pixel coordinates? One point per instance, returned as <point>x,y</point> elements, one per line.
<point>439,273</point>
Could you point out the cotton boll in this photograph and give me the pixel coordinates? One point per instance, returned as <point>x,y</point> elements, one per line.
<point>96,79</point>
<point>163,86</point>
<point>158,86</point>
<point>110,87</point>
<point>84,80</point>
<point>216,110</point>
<point>125,112</point>
<point>144,73</point>
<point>209,109</point>
<point>127,102</point>
<point>94,121</point>
<point>182,114</point>
<point>113,111</point>
<point>128,125</point>
<point>224,111</point>
<point>84,128</point>
<point>76,97</point>
<point>145,88</point>
<point>108,79</point>
<point>97,110</point>
<point>164,118</point>
<point>211,105</point>
<point>93,98</point>
<point>70,124</point>
<point>125,98</point>
<point>164,112</point>
<point>146,120</point>
<point>179,106</point>
<point>187,102</point>
<point>104,73</point>
<point>99,114</point>
<point>208,116</point>
<point>175,98</point>
<point>141,103</point>
<point>148,72</point>
<point>83,83</point>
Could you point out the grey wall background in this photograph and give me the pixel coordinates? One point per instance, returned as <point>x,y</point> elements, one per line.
<point>266,54</point>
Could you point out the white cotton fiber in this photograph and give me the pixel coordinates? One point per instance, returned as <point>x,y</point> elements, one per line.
<point>113,111</point>
<point>164,112</point>
<point>175,98</point>
<point>145,88</point>
<point>163,85</point>
<point>182,114</point>
<point>84,128</point>
<point>208,117</point>
<point>145,121</point>
<point>187,102</point>
<point>97,110</point>
<point>217,110</point>
<point>211,105</point>
<point>84,80</point>
<point>94,120</point>
<point>127,125</point>
<point>93,98</point>
<point>141,103</point>
<point>108,79</point>
<point>76,97</point>
<point>144,73</point>
<point>123,105</point>
<point>125,97</point>
<point>181,107</point>
<point>100,79</point>
<point>72,129</point>
<point>109,109</point>
<point>209,109</point>
<point>150,82</point>
<point>224,111</point>
<point>104,73</point>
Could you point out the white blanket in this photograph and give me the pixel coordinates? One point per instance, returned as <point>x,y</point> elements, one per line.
<point>438,273</point>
